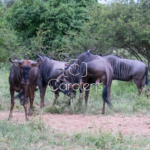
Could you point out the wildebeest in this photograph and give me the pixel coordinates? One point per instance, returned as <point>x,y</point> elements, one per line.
<point>127,69</point>
<point>23,76</point>
<point>49,71</point>
<point>87,68</point>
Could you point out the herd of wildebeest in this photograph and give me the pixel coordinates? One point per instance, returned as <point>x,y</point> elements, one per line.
<point>86,69</point>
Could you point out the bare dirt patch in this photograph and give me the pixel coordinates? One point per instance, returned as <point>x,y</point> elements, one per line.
<point>76,123</point>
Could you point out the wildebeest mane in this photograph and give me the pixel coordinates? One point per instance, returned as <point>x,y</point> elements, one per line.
<point>45,69</point>
<point>110,55</point>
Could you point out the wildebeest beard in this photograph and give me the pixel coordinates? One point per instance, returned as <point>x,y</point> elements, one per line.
<point>26,73</point>
<point>69,92</point>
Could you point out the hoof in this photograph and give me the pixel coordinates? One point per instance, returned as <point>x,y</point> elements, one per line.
<point>42,106</point>
<point>27,119</point>
<point>10,116</point>
<point>30,114</point>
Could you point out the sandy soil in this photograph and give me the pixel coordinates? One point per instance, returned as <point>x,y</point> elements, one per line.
<point>75,123</point>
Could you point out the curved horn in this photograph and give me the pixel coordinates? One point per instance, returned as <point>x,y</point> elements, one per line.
<point>15,61</point>
<point>59,78</point>
<point>89,50</point>
<point>40,58</point>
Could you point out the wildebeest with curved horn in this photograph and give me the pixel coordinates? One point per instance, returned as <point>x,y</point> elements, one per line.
<point>87,68</point>
<point>23,76</point>
<point>127,69</point>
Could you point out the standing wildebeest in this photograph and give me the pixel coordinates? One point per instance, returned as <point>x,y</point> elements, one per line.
<point>87,68</point>
<point>127,69</point>
<point>49,71</point>
<point>23,76</point>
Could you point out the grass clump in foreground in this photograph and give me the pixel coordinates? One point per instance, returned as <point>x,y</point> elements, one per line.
<point>35,135</point>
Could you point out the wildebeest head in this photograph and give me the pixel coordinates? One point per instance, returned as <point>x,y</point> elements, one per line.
<point>66,88</point>
<point>61,84</point>
<point>25,66</point>
<point>70,79</point>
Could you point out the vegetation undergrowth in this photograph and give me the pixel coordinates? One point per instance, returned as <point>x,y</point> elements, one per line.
<point>35,135</point>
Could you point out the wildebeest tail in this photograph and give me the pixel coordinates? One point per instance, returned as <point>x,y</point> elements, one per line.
<point>146,74</point>
<point>105,91</point>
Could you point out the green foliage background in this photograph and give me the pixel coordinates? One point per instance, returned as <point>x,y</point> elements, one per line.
<point>56,27</point>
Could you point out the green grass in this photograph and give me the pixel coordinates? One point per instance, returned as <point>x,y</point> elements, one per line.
<point>35,135</point>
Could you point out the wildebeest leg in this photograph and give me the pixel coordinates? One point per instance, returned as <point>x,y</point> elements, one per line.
<point>12,103</point>
<point>147,92</point>
<point>140,91</point>
<point>87,94</point>
<point>56,96</point>
<point>109,97</point>
<point>80,95</point>
<point>42,94</point>
<point>104,84</point>
<point>139,85</point>
<point>24,104</point>
<point>109,90</point>
<point>31,96</point>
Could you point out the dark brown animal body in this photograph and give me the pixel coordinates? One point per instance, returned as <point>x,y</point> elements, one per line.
<point>127,69</point>
<point>23,76</point>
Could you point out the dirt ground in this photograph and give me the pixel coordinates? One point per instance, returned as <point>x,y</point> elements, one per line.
<point>75,123</point>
